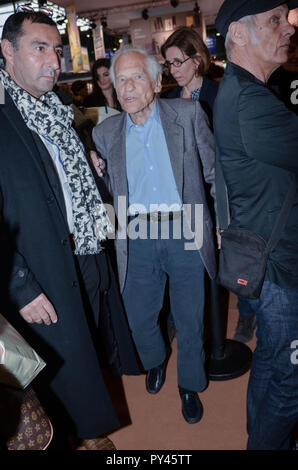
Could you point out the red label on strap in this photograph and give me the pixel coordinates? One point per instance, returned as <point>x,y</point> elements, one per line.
<point>243,282</point>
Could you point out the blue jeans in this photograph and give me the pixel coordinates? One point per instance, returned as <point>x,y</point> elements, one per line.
<point>272,397</point>
<point>149,263</point>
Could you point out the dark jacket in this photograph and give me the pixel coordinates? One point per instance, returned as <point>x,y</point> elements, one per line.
<point>36,251</point>
<point>257,145</point>
<point>207,95</point>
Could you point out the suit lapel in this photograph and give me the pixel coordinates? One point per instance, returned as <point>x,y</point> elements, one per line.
<point>117,158</point>
<point>174,134</point>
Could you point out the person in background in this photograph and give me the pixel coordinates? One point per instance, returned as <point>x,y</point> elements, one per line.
<point>103,93</point>
<point>188,60</point>
<point>80,91</point>
<point>257,148</point>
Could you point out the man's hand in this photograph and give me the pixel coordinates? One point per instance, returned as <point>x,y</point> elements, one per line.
<point>98,163</point>
<point>40,310</point>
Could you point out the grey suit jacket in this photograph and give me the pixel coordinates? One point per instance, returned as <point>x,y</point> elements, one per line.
<point>191,149</point>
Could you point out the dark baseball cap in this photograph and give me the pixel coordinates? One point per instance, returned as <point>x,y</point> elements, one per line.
<point>234,10</point>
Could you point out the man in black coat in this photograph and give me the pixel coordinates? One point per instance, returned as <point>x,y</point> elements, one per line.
<point>54,223</point>
<point>257,146</point>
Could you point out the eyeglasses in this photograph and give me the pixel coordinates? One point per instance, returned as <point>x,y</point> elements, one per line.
<point>26,7</point>
<point>176,62</point>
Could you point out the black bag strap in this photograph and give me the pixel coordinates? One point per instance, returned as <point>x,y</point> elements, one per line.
<point>223,207</point>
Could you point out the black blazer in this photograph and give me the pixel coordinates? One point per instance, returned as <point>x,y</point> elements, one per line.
<point>257,146</point>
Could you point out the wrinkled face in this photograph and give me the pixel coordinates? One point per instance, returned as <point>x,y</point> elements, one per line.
<point>184,74</point>
<point>134,86</point>
<point>273,33</point>
<point>35,65</point>
<point>103,80</point>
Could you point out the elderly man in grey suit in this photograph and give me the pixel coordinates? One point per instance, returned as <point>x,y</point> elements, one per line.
<point>159,159</point>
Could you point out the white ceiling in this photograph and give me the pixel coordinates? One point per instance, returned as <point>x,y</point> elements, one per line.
<point>120,12</point>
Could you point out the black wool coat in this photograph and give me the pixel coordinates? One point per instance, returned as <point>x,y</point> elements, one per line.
<point>37,257</point>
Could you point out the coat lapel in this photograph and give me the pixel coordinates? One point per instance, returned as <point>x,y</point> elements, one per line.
<point>174,134</point>
<point>16,120</point>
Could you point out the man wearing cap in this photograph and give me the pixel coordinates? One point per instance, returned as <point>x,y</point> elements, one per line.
<point>257,147</point>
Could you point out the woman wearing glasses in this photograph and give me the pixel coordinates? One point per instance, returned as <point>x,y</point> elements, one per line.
<point>188,59</point>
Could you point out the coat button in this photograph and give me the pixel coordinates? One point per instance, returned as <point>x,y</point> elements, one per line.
<point>50,199</point>
<point>21,273</point>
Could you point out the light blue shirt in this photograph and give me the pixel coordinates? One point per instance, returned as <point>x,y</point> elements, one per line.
<point>149,171</point>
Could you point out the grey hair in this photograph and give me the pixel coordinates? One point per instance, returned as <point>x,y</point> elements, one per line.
<point>250,22</point>
<point>152,65</point>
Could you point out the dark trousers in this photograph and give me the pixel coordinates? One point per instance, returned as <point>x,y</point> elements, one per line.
<point>272,400</point>
<point>94,281</point>
<point>150,261</point>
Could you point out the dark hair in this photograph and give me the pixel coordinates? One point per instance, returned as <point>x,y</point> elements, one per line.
<point>97,95</point>
<point>100,63</point>
<point>191,43</point>
<point>12,28</point>
<point>77,86</point>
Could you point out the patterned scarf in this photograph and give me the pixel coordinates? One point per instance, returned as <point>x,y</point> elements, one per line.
<point>47,116</point>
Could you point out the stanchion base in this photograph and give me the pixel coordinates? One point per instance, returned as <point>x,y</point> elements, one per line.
<point>235,362</point>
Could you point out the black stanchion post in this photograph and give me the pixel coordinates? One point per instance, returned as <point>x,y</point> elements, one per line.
<point>217,342</point>
<point>228,359</point>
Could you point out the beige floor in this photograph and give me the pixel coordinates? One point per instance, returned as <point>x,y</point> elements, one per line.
<point>156,421</point>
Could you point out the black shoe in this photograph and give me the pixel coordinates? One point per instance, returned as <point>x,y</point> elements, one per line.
<point>245,328</point>
<point>192,408</point>
<point>155,378</point>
